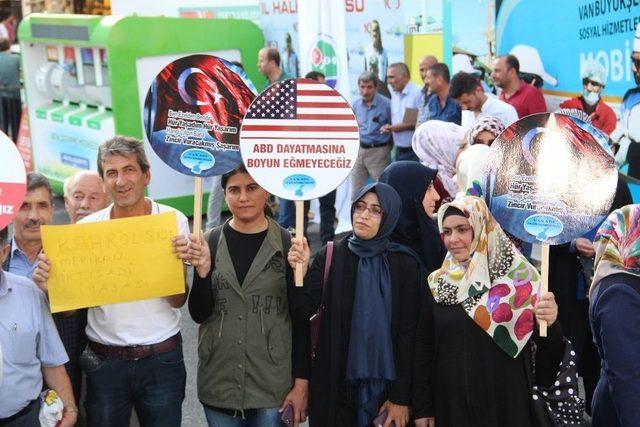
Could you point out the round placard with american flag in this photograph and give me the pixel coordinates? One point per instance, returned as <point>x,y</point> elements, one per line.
<point>299,139</point>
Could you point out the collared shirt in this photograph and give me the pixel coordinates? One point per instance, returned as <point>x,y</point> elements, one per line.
<point>400,101</point>
<point>496,108</point>
<point>18,262</point>
<point>29,342</point>
<point>144,322</point>
<point>450,113</point>
<point>526,100</point>
<point>423,109</point>
<point>372,118</point>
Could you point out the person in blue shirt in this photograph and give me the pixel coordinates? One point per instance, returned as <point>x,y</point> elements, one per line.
<point>373,111</point>
<point>36,210</point>
<point>32,352</point>
<point>614,314</point>
<point>440,105</point>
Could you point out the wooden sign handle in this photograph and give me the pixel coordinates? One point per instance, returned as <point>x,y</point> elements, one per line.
<point>544,285</point>
<point>197,206</point>
<point>299,277</point>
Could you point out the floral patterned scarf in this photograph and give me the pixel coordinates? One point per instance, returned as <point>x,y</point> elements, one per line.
<point>617,245</point>
<point>497,286</point>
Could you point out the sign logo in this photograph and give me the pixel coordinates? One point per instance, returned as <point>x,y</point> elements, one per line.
<point>299,182</point>
<point>543,226</point>
<point>197,159</point>
<point>324,58</point>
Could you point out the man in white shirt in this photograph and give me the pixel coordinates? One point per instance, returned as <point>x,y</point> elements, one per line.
<point>404,96</point>
<point>134,356</point>
<point>466,89</point>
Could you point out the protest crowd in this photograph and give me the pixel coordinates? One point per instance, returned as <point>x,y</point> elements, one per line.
<point>427,313</point>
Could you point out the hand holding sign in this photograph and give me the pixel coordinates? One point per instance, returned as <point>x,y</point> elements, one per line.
<point>299,140</point>
<point>549,181</point>
<point>192,117</point>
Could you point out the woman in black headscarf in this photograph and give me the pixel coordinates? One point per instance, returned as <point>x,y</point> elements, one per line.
<point>364,356</point>
<point>414,183</point>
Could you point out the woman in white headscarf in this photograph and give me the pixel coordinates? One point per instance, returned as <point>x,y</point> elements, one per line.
<point>469,168</point>
<point>436,143</point>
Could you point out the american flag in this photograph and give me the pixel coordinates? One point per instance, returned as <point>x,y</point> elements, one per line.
<point>300,109</point>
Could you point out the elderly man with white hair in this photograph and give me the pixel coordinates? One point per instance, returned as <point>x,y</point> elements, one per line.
<point>84,194</point>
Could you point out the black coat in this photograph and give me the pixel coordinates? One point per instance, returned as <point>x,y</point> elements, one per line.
<point>573,312</point>
<point>332,400</point>
<point>464,379</point>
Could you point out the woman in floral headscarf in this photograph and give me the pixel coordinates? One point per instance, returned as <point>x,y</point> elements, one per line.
<point>473,343</point>
<point>615,319</point>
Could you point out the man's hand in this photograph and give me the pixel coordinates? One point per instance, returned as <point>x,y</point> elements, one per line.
<point>585,247</point>
<point>386,128</point>
<point>426,422</point>
<point>397,414</point>
<point>298,398</point>
<point>41,273</point>
<point>69,417</point>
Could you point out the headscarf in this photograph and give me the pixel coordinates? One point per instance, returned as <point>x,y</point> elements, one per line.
<point>370,362</point>
<point>497,286</point>
<point>436,143</point>
<point>617,245</point>
<point>469,169</point>
<point>415,229</point>
<point>490,124</point>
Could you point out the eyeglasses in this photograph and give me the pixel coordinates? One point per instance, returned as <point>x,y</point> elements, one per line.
<point>375,211</point>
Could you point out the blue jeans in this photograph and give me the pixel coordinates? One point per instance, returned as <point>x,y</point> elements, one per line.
<point>268,417</point>
<point>287,213</point>
<point>154,386</point>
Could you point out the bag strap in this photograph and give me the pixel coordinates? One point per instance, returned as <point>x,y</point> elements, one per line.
<point>327,267</point>
<point>214,238</point>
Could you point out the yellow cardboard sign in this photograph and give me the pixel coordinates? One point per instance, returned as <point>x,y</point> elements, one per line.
<point>112,261</point>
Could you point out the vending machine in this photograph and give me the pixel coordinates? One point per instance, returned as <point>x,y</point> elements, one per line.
<point>86,79</point>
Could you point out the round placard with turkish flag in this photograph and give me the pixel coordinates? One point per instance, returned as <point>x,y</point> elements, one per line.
<point>193,112</point>
<point>13,180</point>
<point>548,179</point>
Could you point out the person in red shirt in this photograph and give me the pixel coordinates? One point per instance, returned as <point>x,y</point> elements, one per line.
<point>525,98</point>
<point>593,81</point>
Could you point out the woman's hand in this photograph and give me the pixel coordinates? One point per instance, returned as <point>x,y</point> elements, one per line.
<point>299,253</point>
<point>298,398</point>
<point>397,414</point>
<point>195,251</point>
<point>546,309</point>
<point>425,422</point>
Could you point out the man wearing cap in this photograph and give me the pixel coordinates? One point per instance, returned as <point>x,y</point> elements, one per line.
<point>627,133</point>
<point>593,81</point>
<point>526,99</point>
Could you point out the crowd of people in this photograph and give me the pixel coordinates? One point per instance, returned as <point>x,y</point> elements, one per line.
<point>425,314</point>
